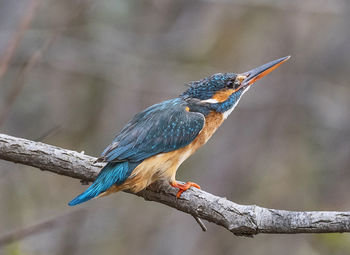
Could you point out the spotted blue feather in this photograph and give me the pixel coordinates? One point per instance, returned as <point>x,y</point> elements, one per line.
<point>163,127</point>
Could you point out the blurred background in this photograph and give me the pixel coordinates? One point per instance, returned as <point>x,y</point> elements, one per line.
<point>72,73</point>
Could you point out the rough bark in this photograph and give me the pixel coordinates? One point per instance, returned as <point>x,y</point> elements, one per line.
<point>245,220</point>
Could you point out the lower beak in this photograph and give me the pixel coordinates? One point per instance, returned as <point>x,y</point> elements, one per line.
<point>252,76</point>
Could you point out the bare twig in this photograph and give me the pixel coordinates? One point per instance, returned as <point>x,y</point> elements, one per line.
<point>37,228</point>
<point>28,66</point>
<point>200,223</point>
<point>27,19</point>
<point>245,220</point>
<point>20,81</point>
<point>48,133</point>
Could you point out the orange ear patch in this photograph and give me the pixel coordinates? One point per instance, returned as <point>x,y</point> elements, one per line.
<point>223,95</point>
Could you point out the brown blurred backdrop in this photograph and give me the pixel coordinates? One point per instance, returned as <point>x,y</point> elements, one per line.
<point>72,73</point>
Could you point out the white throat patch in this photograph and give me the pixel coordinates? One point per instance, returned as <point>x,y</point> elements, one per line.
<point>210,101</point>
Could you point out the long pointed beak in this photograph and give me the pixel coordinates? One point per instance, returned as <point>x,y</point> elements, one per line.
<point>248,78</point>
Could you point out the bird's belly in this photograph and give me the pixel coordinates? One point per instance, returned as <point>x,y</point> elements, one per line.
<point>165,165</point>
<point>160,166</point>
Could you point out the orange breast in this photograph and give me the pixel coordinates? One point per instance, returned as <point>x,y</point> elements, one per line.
<point>165,165</point>
<point>212,122</point>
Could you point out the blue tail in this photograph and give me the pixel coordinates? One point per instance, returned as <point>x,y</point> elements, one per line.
<point>112,173</point>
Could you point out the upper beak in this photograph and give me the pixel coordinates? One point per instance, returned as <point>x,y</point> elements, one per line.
<point>248,78</point>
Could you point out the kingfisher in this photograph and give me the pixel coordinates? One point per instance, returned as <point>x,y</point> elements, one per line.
<point>159,139</point>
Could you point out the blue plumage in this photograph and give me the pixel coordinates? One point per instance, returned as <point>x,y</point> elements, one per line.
<point>228,104</point>
<point>163,127</point>
<point>160,128</point>
<point>112,173</point>
<point>207,87</point>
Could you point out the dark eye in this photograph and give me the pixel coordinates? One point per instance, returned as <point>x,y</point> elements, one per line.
<point>230,84</point>
<point>233,84</point>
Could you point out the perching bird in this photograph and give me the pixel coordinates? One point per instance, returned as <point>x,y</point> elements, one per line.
<point>157,140</point>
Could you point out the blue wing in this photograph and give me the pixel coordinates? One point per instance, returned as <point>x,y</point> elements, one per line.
<point>163,127</point>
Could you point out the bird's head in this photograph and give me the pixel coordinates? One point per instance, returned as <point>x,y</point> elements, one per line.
<point>221,92</point>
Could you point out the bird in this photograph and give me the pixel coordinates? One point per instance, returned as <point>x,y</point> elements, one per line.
<point>156,141</point>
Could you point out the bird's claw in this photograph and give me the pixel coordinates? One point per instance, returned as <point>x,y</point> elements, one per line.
<point>183,187</point>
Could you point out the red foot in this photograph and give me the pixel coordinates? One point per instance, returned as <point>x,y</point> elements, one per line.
<point>183,187</point>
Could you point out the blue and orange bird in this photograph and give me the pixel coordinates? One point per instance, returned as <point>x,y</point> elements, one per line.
<point>157,140</point>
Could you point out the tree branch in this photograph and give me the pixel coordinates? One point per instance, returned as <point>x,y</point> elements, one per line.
<point>239,219</point>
